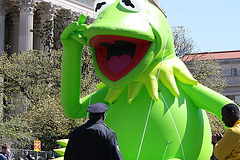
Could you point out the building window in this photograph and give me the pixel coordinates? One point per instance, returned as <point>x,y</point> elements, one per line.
<point>233,71</point>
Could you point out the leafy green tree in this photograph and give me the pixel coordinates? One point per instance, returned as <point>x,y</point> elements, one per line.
<point>34,74</point>
<point>48,122</point>
<point>32,86</point>
<point>32,80</point>
<point>15,132</point>
<point>29,78</point>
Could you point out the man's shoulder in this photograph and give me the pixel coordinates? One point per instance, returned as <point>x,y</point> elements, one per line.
<point>97,125</point>
<point>110,130</point>
<point>79,129</point>
<point>233,131</point>
<point>2,157</point>
<point>106,127</point>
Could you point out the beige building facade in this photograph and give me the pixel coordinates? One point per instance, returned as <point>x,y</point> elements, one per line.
<point>229,62</point>
<point>231,70</point>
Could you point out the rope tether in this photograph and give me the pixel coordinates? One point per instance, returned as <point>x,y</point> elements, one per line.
<point>91,94</point>
<point>174,126</point>
<point>165,150</point>
<point>139,151</point>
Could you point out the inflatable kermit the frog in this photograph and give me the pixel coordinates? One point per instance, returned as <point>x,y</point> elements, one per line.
<point>155,105</point>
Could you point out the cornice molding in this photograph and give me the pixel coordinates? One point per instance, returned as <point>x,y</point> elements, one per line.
<point>74,6</point>
<point>26,5</point>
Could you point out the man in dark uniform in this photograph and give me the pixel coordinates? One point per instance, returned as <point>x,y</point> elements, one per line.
<point>93,140</point>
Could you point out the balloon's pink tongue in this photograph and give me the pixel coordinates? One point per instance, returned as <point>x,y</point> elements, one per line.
<point>116,64</point>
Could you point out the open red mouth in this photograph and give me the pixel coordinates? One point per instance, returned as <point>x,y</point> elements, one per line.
<point>118,55</point>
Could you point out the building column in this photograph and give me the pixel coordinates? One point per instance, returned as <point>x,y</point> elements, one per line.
<point>26,25</point>
<point>2,26</point>
<point>46,12</point>
<point>37,45</point>
<point>15,37</point>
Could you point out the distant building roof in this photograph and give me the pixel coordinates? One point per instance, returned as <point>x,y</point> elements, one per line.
<point>212,55</point>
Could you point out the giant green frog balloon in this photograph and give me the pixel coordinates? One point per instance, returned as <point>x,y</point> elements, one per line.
<point>155,106</point>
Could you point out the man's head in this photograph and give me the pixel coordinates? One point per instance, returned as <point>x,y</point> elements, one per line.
<point>5,148</point>
<point>97,110</point>
<point>230,114</point>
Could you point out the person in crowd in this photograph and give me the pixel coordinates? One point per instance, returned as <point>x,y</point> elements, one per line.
<point>5,154</point>
<point>20,158</point>
<point>29,157</point>
<point>40,158</point>
<point>227,146</point>
<point>93,140</point>
<point>52,157</point>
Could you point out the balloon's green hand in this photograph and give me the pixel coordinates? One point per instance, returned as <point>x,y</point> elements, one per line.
<point>169,70</point>
<point>175,68</point>
<point>76,30</point>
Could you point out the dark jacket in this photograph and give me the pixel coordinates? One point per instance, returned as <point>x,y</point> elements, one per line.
<point>2,156</point>
<point>93,141</point>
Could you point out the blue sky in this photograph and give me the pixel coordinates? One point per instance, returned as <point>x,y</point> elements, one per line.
<point>214,25</point>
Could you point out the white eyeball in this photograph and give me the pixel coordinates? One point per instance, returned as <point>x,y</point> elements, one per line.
<point>100,5</point>
<point>133,5</point>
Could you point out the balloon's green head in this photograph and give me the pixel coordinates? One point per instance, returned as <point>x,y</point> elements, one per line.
<point>127,38</point>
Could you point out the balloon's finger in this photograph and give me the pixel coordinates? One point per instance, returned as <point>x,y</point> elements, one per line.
<point>81,27</point>
<point>68,30</point>
<point>78,38</point>
<point>82,19</point>
<point>185,77</point>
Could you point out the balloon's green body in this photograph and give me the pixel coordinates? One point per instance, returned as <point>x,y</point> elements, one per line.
<point>177,127</point>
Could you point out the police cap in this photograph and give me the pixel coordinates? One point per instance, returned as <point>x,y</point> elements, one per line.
<point>97,108</point>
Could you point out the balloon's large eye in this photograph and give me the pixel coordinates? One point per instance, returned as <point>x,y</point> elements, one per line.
<point>133,5</point>
<point>100,5</point>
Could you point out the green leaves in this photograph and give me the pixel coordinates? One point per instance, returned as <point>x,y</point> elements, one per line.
<point>35,74</point>
<point>48,122</point>
<point>15,132</point>
<point>32,89</point>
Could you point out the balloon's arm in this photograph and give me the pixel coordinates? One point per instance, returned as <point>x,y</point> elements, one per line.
<point>206,98</point>
<point>73,41</point>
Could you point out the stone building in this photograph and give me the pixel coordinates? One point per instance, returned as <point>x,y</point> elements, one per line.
<point>19,17</point>
<point>229,62</point>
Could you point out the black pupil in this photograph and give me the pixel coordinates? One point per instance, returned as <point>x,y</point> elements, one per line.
<point>99,6</point>
<point>128,3</point>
